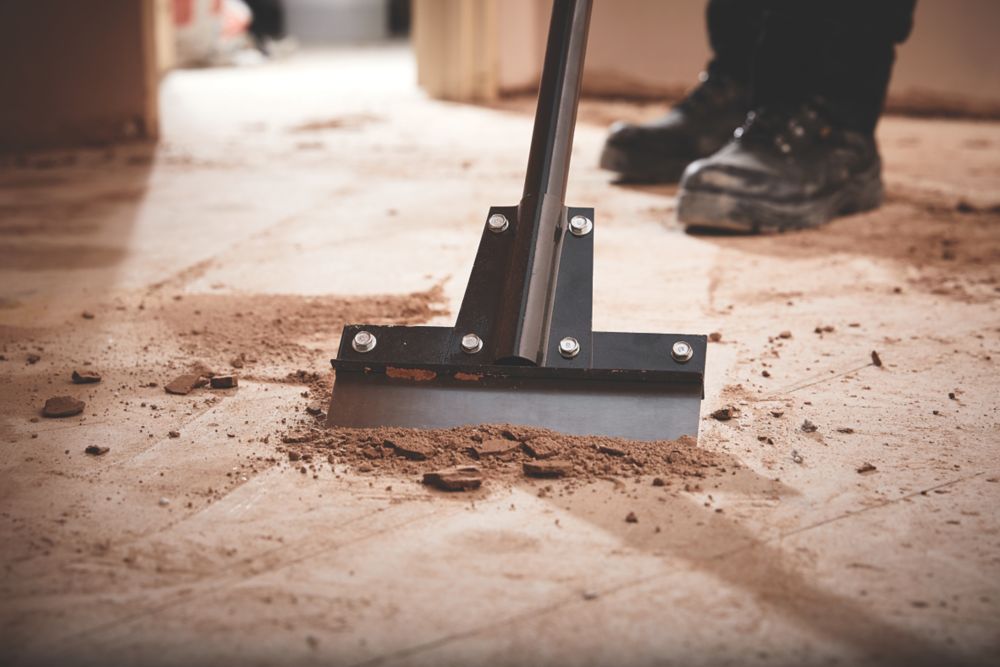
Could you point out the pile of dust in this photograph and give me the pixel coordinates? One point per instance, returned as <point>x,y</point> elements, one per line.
<point>502,453</point>
<point>256,331</point>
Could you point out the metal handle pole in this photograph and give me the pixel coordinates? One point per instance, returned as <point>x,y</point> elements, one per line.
<point>526,307</point>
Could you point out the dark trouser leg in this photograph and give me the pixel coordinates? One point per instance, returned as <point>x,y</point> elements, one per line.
<point>841,50</point>
<point>734,28</point>
<point>268,19</point>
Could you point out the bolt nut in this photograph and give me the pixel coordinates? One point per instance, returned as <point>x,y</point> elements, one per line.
<point>682,351</point>
<point>498,223</point>
<point>569,347</point>
<point>364,341</point>
<point>471,343</point>
<point>580,225</point>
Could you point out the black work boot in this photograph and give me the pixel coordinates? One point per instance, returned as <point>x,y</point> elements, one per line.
<point>783,169</point>
<point>700,124</point>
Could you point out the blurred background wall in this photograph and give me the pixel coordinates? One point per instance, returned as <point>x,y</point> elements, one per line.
<point>655,48</point>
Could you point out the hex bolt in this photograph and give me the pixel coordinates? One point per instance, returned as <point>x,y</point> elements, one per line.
<point>364,341</point>
<point>498,223</point>
<point>471,343</point>
<point>569,347</point>
<point>580,225</point>
<point>682,351</point>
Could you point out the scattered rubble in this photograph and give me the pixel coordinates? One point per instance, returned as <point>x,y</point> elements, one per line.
<point>185,384</point>
<point>85,377</point>
<point>62,406</point>
<point>459,478</point>
<point>547,468</point>
<point>223,382</point>
<point>809,427</point>
<point>725,414</point>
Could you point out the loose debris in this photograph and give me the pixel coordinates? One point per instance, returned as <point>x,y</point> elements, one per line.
<point>185,384</point>
<point>224,382</point>
<point>33,358</point>
<point>85,377</point>
<point>62,406</point>
<point>95,450</point>
<point>725,414</point>
<point>631,518</point>
<point>494,447</point>
<point>866,468</point>
<point>500,453</point>
<point>796,457</point>
<point>460,478</point>
<point>549,468</point>
<point>845,429</point>
<point>809,427</point>
<point>876,359</point>
<point>714,337</point>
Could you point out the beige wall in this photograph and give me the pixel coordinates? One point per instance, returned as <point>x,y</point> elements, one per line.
<point>77,73</point>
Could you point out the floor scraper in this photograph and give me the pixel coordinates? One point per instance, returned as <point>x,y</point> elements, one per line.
<point>523,350</point>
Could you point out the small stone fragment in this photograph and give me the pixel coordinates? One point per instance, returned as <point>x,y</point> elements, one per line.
<point>777,413</point>
<point>785,334</point>
<point>766,373</point>
<point>62,406</point>
<point>610,450</point>
<point>237,362</point>
<point>462,478</point>
<point>541,448</point>
<point>714,337</point>
<point>294,456</point>
<point>33,358</point>
<point>725,414</point>
<point>865,468</point>
<point>549,468</point>
<point>87,315</point>
<point>952,396</point>
<point>224,382</point>
<point>85,377</point>
<point>95,450</point>
<point>173,434</point>
<point>494,447</point>
<point>876,359</point>
<point>658,481</point>
<point>415,450</point>
<point>796,457</point>
<point>164,502</point>
<point>185,384</point>
<point>631,518</point>
<point>845,429</point>
<point>809,427</point>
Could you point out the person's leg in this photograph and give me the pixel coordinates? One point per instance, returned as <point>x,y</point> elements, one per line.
<point>807,152</point>
<point>268,20</point>
<point>658,151</point>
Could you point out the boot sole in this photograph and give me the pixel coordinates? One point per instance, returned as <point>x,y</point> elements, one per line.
<point>727,212</point>
<point>648,169</point>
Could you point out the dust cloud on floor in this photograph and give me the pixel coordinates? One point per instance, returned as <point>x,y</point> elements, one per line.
<point>839,505</point>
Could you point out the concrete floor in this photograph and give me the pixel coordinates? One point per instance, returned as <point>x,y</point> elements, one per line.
<point>197,550</point>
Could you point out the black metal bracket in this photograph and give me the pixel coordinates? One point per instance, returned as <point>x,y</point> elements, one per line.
<point>601,355</point>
